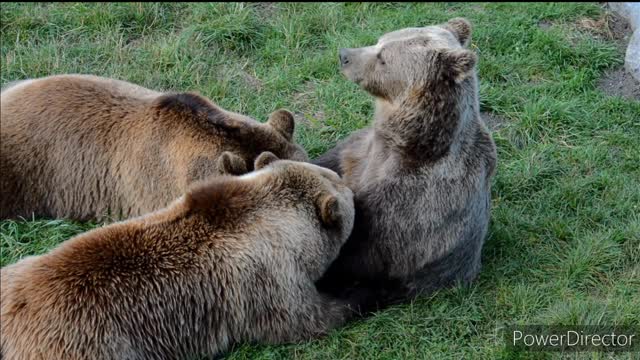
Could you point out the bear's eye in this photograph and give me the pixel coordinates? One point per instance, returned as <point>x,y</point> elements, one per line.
<point>381,59</point>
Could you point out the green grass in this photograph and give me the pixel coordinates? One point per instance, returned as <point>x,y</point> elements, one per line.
<point>564,241</point>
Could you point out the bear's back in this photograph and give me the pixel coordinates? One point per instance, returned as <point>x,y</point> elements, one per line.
<point>83,147</point>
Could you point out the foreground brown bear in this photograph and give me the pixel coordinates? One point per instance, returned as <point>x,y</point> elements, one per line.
<point>234,260</point>
<point>85,147</point>
<point>421,175</point>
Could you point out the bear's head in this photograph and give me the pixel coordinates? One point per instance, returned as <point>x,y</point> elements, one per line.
<point>323,203</point>
<point>248,138</point>
<point>412,59</point>
<point>303,205</point>
<point>305,183</point>
<point>235,133</point>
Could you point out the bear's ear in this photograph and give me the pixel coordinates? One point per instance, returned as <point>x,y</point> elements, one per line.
<point>461,29</point>
<point>264,159</point>
<point>460,63</point>
<point>328,209</point>
<point>231,164</point>
<point>282,121</point>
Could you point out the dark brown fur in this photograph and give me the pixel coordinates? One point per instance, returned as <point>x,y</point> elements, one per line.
<point>234,260</point>
<point>421,175</point>
<point>84,147</point>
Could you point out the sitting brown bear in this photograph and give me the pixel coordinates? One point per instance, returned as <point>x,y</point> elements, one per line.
<point>233,260</point>
<point>85,147</point>
<point>421,175</point>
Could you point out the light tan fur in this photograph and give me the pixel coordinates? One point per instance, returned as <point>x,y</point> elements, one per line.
<point>233,260</point>
<point>86,147</point>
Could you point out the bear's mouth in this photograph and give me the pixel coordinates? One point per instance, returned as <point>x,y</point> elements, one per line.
<point>345,71</point>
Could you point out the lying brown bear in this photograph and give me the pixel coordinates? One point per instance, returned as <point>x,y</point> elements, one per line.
<point>233,260</point>
<point>85,147</point>
<point>421,175</point>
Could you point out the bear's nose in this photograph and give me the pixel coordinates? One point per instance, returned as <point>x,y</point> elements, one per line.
<point>344,56</point>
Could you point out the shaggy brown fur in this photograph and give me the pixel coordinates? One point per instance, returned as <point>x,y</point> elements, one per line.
<point>421,175</point>
<point>84,147</point>
<point>234,260</point>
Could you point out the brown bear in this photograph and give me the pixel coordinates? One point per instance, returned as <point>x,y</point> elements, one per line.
<point>421,174</point>
<point>86,147</point>
<point>233,260</point>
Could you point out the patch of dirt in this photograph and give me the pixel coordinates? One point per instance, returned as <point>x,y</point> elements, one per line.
<point>620,83</point>
<point>302,101</point>
<point>620,28</point>
<point>251,80</point>
<point>493,121</point>
<point>545,24</point>
<point>478,8</point>
<point>265,9</point>
<point>134,42</point>
<point>309,120</point>
<point>609,26</point>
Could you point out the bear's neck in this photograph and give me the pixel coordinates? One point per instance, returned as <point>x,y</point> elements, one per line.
<point>426,126</point>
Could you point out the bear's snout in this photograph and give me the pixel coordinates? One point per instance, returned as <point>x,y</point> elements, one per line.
<point>344,56</point>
